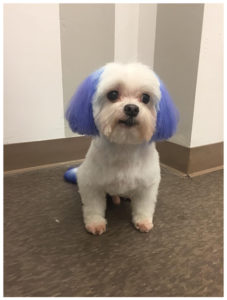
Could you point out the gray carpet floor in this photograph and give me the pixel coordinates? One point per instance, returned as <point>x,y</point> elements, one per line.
<point>47,251</point>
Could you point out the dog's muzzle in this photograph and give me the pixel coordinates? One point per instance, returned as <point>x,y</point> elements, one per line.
<point>131,110</point>
<point>129,122</point>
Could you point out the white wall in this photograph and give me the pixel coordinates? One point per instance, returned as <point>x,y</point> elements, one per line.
<point>146,33</point>
<point>33,98</point>
<point>208,110</point>
<point>33,94</point>
<point>126,32</point>
<point>135,26</point>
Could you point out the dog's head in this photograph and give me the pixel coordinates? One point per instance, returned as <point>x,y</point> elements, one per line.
<point>128,104</point>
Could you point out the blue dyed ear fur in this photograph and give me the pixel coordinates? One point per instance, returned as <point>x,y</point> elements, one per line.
<point>167,116</point>
<point>79,113</point>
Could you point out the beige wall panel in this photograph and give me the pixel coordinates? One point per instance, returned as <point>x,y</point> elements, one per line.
<point>177,48</point>
<point>87,41</point>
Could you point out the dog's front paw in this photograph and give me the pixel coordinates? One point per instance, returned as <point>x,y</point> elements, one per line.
<point>143,224</point>
<point>96,227</point>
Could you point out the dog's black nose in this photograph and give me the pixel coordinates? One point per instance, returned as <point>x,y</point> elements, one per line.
<point>131,110</point>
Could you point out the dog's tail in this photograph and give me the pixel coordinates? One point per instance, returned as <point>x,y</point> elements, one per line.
<point>70,175</point>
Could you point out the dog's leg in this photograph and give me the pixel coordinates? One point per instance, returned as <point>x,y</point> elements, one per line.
<point>116,200</point>
<point>143,207</point>
<point>94,206</point>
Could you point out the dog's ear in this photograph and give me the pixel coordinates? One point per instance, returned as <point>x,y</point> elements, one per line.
<point>167,116</point>
<point>79,113</point>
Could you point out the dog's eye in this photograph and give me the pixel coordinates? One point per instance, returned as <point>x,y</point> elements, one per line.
<point>113,95</point>
<point>145,98</point>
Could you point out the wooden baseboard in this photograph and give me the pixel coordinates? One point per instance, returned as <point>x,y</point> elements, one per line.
<point>35,154</point>
<point>205,157</point>
<point>199,173</point>
<point>191,160</point>
<point>173,155</point>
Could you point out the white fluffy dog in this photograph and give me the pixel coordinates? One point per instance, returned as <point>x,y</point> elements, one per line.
<point>126,108</point>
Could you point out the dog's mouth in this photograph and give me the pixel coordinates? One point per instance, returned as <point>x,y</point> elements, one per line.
<point>129,122</point>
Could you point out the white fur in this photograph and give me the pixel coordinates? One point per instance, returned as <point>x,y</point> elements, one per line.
<point>121,161</point>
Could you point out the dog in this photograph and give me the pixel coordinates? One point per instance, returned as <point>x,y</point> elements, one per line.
<point>125,108</point>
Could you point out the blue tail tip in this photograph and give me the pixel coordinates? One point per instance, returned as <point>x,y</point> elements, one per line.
<point>70,175</point>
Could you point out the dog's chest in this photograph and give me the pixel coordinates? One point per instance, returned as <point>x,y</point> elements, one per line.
<point>122,178</point>
<point>120,170</point>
